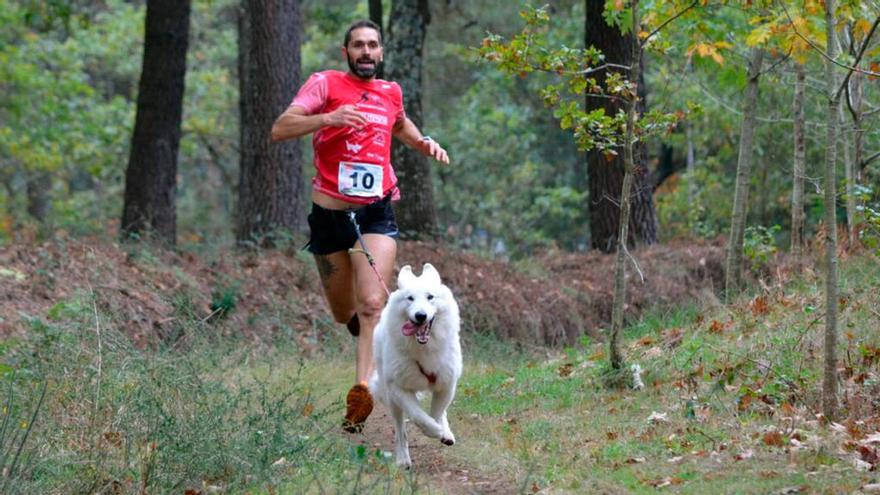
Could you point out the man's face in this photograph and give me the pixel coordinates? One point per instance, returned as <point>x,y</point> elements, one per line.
<point>364,52</point>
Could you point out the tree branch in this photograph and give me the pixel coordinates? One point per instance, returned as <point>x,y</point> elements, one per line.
<point>634,262</point>
<point>822,52</point>
<point>661,26</point>
<point>861,54</point>
<point>868,160</point>
<point>849,102</point>
<point>602,67</point>
<point>777,64</point>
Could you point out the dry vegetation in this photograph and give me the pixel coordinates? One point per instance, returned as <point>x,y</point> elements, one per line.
<point>553,300</point>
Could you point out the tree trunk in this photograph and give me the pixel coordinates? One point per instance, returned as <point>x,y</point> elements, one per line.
<point>743,171</point>
<point>375,7</point>
<point>416,212</point>
<point>151,177</point>
<point>690,161</point>
<point>797,193</point>
<point>38,186</point>
<point>849,177</point>
<point>271,182</point>
<point>617,360</point>
<point>829,388</point>
<point>606,177</point>
<point>856,87</point>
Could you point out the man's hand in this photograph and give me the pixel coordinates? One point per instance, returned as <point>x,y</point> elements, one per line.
<point>345,116</point>
<point>433,149</point>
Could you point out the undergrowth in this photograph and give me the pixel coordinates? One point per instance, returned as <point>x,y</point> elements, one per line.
<point>730,403</point>
<point>201,414</point>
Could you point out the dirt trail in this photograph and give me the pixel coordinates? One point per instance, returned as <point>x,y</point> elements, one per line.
<point>435,466</point>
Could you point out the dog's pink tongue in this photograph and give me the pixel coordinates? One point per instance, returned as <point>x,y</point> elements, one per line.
<point>409,328</point>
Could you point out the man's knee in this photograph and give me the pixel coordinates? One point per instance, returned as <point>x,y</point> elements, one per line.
<point>370,307</point>
<point>341,306</point>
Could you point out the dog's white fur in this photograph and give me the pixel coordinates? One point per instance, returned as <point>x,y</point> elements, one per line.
<point>404,366</point>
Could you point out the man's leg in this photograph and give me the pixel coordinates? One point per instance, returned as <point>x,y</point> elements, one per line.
<point>370,296</point>
<point>336,278</point>
<point>369,300</point>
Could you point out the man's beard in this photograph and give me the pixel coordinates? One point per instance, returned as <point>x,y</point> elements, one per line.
<point>363,72</point>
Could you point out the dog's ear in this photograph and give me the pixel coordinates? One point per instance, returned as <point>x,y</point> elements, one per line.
<point>431,273</point>
<point>405,276</point>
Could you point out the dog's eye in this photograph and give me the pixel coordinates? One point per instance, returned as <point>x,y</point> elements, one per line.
<point>430,296</point>
<point>410,298</point>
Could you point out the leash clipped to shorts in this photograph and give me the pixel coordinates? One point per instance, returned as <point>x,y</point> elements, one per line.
<point>357,230</point>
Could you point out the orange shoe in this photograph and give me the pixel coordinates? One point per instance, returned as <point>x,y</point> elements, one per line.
<point>359,405</point>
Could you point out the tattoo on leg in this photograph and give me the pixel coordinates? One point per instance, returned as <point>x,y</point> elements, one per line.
<point>326,268</point>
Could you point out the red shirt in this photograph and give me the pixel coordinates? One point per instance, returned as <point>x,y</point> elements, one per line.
<point>353,157</point>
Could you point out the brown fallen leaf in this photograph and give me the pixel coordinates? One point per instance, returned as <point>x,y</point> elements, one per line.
<point>773,439</point>
<point>759,306</point>
<point>566,370</point>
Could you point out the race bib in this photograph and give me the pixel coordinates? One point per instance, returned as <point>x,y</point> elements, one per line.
<point>360,179</point>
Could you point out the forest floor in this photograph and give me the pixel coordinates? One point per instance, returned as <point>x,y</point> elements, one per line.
<point>553,299</point>
<point>532,332</point>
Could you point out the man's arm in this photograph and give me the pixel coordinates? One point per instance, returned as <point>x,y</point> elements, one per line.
<point>410,135</point>
<point>294,122</point>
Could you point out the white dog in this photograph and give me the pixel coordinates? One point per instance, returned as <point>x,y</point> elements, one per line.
<point>416,349</point>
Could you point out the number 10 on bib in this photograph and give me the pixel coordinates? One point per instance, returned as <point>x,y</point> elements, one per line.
<point>360,179</point>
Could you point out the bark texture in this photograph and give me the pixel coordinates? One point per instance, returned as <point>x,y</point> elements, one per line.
<point>845,150</point>
<point>855,168</point>
<point>829,382</point>
<point>605,177</point>
<point>151,178</point>
<point>690,161</point>
<point>375,7</point>
<point>271,182</point>
<point>617,361</point>
<point>407,28</point>
<point>743,176</point>
<point>797,193</point>
<point>38,189</point>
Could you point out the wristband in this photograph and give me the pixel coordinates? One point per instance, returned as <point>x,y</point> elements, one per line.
<point>426,138</point>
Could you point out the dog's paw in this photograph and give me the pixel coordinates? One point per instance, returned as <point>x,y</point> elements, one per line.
<point>447,438</point>
<point>430,428</point>
<point>403,461</point>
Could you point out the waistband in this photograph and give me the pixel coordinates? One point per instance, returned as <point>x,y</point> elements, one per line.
<point>375,204</point>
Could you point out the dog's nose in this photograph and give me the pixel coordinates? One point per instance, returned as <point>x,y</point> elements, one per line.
<point>421,316</point>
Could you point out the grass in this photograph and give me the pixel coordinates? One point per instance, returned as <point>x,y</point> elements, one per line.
<point>213,414</point>
<point>733,391</point>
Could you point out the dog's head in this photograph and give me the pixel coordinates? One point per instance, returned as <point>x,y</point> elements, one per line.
<point>420,299</point>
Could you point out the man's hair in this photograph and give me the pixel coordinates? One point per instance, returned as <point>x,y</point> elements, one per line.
<point>363,23</point>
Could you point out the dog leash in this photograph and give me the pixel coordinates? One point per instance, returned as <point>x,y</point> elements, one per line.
<point>370,260</point>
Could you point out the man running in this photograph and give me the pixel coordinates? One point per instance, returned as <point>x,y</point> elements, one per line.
<point>353,116</point>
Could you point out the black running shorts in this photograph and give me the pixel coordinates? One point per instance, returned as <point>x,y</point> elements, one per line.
<point>332,230</point>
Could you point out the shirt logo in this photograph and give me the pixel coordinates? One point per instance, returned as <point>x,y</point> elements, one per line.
<point>353,148</point>
<point>376,119</point>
